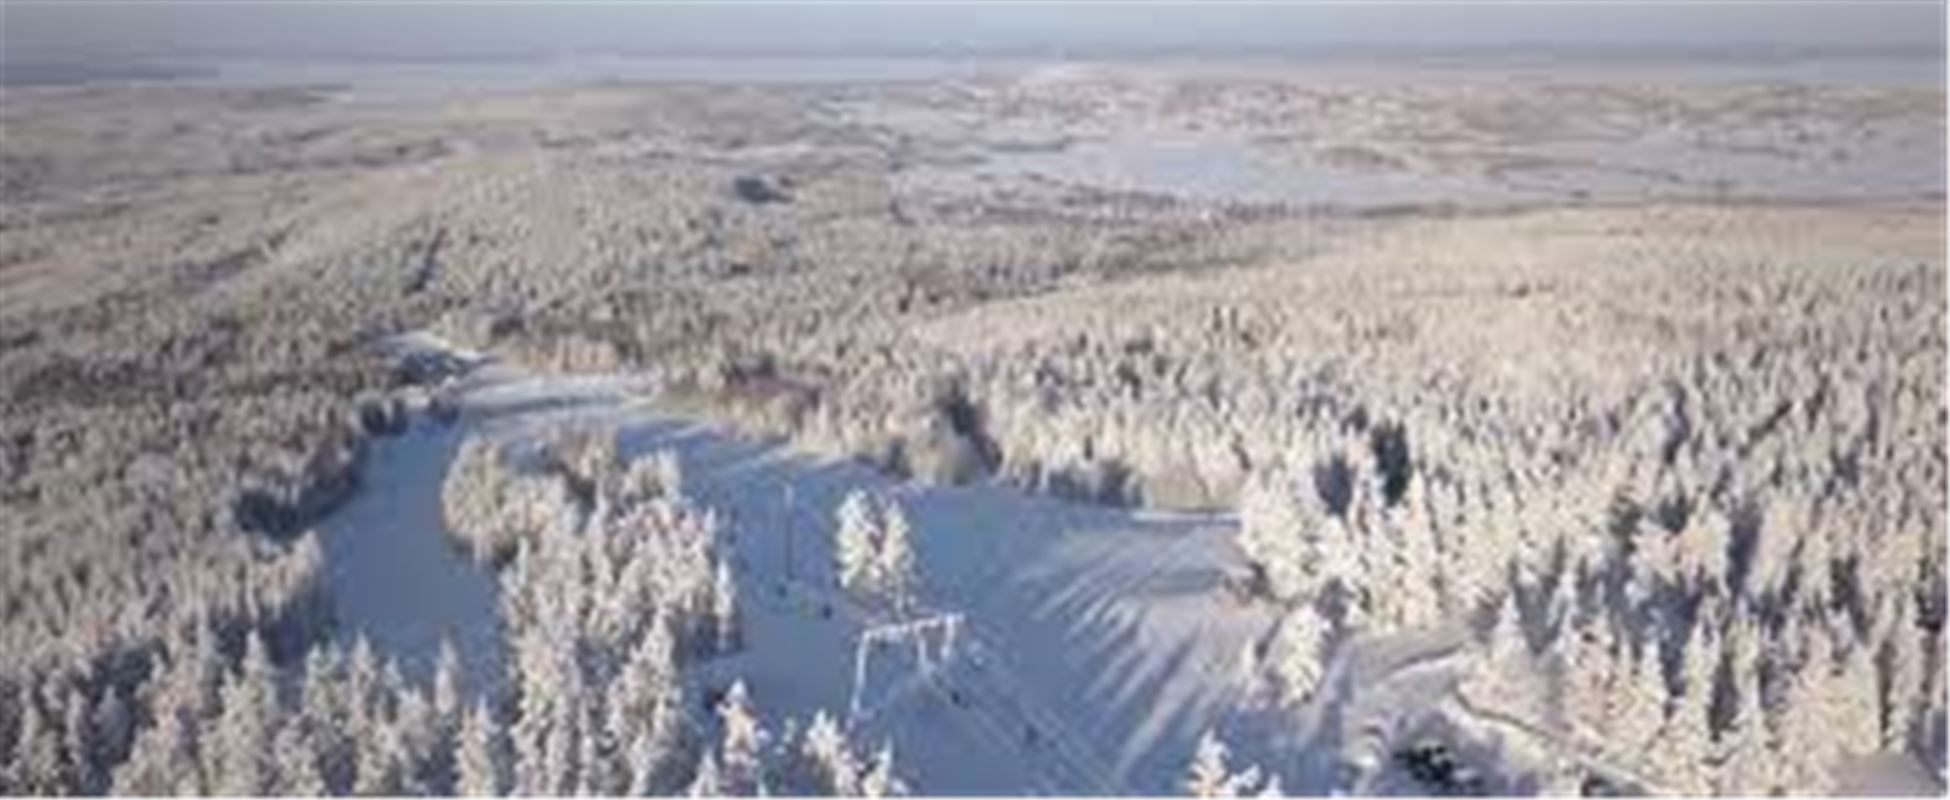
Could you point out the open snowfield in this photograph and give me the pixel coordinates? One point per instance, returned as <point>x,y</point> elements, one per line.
<point>868,427</point>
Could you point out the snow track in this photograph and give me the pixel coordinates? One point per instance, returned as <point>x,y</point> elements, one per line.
<point>993,670</point>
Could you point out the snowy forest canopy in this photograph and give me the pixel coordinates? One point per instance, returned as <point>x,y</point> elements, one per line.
<point>1646,461</point>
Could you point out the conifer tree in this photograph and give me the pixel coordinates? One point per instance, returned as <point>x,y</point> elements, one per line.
<point>41,767</point>
<point>895,564</point>
<point>244,733</point>
<point>1296,654</point>
<point>724,607</point>
<point>856,541</point>
<point>480,760</point>
<point>825,751</point>
<point>1208,775</point>
<point>744,740</point>
<point>297,763</point>
<point>880,780</point>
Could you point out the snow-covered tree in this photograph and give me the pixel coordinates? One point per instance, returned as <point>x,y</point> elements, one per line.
<point>444,722</point>
<point>297,763</point>
<point>645,708</point>
<point>744,741</point>
<point>160,761</point>
<point>1746,765</point>
<point>1635,708</point>
<point>828,758</point>
<point>480,761</point>
<point>245,732</point>
<point>447,685</point>
<point>39,766</point>
<point>856,541</point>
<point>880,779</point>
<point>1412,583</point>
<point>1209,776</point>
<point>385,765</point>
<point>425,751</point>
<point>874,551</point>
<point>1274,531</point>
<point>1295,654</point>
<point>895,568</point>
<point>724,607</point>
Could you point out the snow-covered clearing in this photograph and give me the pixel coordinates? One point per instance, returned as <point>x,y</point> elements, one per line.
<point>1096,644</point>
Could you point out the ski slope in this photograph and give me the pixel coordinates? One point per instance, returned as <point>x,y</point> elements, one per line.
<point>1096,644</point>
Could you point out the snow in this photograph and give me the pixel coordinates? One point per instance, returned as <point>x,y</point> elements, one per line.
<point>1096,644</point>
<point>1886,775</point>
<point>1203,167</point>
<point>395,577</point>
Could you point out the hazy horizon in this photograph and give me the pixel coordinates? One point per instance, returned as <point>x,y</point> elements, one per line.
<point>448,31</point>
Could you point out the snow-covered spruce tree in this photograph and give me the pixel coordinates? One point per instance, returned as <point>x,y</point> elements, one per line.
<point>1296,654</point>
<point>327,712</point>
<point>874,551</point>
<point>1209,776</point>
<point>645,710</point>
<point>420,736</point>
<point>829,763</point>
<point>856,541</point>
<point>444,722</point>
<point>879,779</point>
<point>1412,583</point>
<point>898,575</point>
<point>1745,762</point>
<point>39,765</point>
<point>473,498</point>
<point>385,763</point>
<point>297,764</point>
<point>164,757</point>
<point>588,456</point>
<point>724,607</point>
<point>1506,674</point>
<point>240,744</point>
<point>1276,530</point>
<point>744,741</point>
<point>480,758</point>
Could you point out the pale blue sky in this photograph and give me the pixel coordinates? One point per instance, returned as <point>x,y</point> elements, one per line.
<point>449,29</point>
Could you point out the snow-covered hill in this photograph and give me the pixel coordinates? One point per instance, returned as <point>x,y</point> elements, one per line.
<point>1095,646</point>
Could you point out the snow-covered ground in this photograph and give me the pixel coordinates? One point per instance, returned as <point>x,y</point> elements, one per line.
<point>395,577</point>
<point>1095,646</point>
<point>1204,167</point>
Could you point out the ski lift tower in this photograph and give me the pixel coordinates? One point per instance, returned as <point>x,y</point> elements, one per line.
<point>934,641</point>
